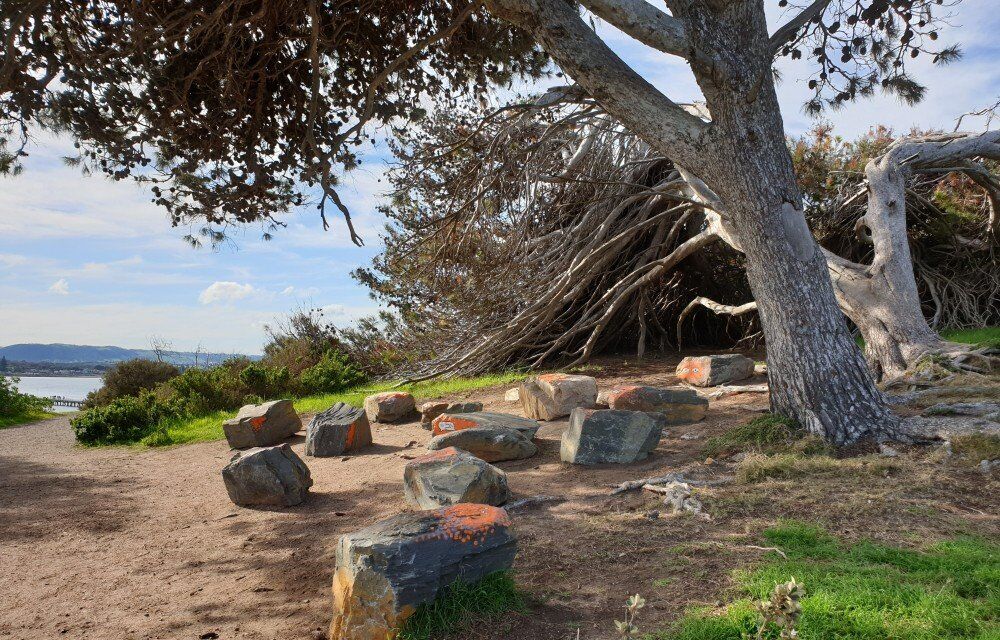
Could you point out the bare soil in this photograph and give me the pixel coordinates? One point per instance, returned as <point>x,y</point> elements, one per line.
<point>124,543</point>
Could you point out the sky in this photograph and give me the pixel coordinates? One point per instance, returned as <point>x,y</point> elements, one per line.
<point>86,260</point>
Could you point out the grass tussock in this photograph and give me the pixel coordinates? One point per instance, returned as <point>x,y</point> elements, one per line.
<point>976,447</point>
<point>864,591</point>
<point>209,427</point>
<point>765,434</point>
<point>462,604</point>
<point>758,467</point>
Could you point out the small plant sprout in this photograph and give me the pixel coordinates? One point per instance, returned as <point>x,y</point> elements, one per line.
<point>626,627</point>
<point>782,610</point>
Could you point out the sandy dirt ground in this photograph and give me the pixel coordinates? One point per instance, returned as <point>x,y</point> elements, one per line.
<point>120,543</point>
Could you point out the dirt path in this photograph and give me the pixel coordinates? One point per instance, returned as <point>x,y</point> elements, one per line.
<point>119,543</point>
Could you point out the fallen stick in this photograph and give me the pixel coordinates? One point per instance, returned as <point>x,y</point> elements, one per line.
<point>531,501</point>
<point>632,485</point>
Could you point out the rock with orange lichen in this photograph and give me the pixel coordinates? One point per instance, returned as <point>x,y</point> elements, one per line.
<point>554,395</point>
<point>267,476</point>
<point>262,425</point>
<point>385,571</point>
<point>391,406</point>
<point>448,422</point>
<point>710,371</point>
<point>431,410</point>
<point>450,476</point>
<point>338,430</point>
<point>491,444</point>
<point>678,405</point>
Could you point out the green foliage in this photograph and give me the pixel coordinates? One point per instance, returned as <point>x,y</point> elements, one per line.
<point>489,599</point>
<point>334,372</point>
<point>131,378</point>
<point>865,591</point>
<point>263,381</point>
<point>17,407</point>
<point>125,420</point>
<point>975,447</point>
<point>769,433</point>
<point>985,336</point>
<point>201,391</point>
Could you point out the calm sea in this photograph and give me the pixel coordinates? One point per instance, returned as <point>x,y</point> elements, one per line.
<point>47,387</point>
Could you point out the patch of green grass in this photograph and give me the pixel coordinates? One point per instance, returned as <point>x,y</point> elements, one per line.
<point>487,600</point>
<point>986,336</point>
<point>768,433</point>
<point>757,467</point>
<point>25,418</point>
<point>209,427</point>
<point>865,591</point>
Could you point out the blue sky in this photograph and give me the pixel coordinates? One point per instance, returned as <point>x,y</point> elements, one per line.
<point>90,261</point>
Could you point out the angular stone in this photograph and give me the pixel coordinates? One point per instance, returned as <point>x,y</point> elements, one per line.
<point>384,572</point>
<point>600,436</point>
<point>512,395</point>
<point>451,476</point>
<point>262,425</point>
<point>448,422</point>
<point>431,410</point>
<point>269,476</point>
<point>554,395</point>
<point>491,444</point>
<point>709,371</point>
<point>677,404</point>
<point>339,429</point>
<point>391,406</point>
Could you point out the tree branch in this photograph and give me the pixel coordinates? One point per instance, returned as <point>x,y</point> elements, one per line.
<point>645,23</point>
<point>788,30</point>
<point>716,307</point>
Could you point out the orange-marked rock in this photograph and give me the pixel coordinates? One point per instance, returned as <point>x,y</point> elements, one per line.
<point>338,430</point>
<point>554,395</point>
<point>678,405</point>
<point>449,422</point>
<point>391,406</point>
<point>452,476</point>
<point>431,410</point>
<point>262,425</point>
<point>709,371</point>
<point>385,571</point>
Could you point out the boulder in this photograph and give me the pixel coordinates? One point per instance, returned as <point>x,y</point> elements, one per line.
<point>448,422</point>
<point>599,436</point>
<point>267,476</point>
<point>512,395</point>
<point>391,406</point>
<point>677,404</point>
<point>262,425</point>
<point>450,476</point>
<point>431,410</point>
<point>385,571</point>
<point>491,444</point>
<point>339,429</point>
<point>709,371</point>
<point>554,395</point>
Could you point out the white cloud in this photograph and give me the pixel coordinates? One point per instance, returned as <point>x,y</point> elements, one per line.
<point>12,259</point>
<point>60,287</point>
<point>225,292</point>
<point>300,292</point>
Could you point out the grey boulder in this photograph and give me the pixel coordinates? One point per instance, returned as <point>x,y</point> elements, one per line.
<point>491,444</point>
<point>267,476</point>
<point>448,422</point>
<point>601,436</point>
<point>450,476</point>
<point>431,410</point>
<point>391,406</point>
<point>262,425</point>
<point>709,371</point>
<point>338,430</point>
<point>553,395</point>
<point>384,572</point>
<point>678,404</point>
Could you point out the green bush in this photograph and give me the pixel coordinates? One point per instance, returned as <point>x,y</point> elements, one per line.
<point>13,403</point>
<point>333,373</point>
<point>263,381</point>
<point>131,378</point>
<point>124,420</point>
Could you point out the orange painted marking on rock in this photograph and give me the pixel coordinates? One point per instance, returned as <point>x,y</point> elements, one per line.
<point>434,456</point>
<point>552,377</point>
<point>349,441</point>
<point>446,423</point>
<point>257,423</point>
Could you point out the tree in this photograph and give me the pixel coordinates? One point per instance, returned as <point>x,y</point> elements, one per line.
<point>3,364</point>
<point>237,102</point>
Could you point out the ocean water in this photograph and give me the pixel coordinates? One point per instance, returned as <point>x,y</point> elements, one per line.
<point>67,387</point>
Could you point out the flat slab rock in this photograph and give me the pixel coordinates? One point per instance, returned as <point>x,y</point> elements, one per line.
<point>609,436</point>
<point>492,444</point>
<point>262,425</point>
<point>338,430</point>
<point>431,410</point>
<point>450,476</point>
<point>554,395</point>
<point>384,572</point>
<point>709,371</point>
<point>267,476</point>
<point>391,406</point>
<point>677,404</point>
<point>448,422</point>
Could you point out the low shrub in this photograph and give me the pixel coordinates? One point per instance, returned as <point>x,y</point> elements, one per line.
<point>262,381</point>
<point>13,403</point>
<point>768,433</point>
<point>131,378</point>
<point>333,373</point>
<point>125,420</point>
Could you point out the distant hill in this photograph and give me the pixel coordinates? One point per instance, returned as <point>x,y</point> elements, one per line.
<point>75,353</point>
